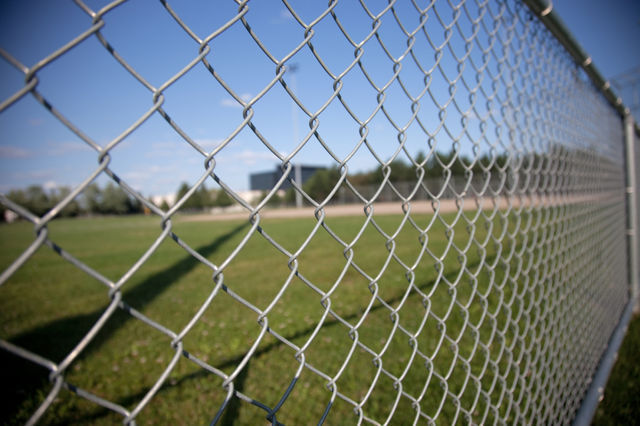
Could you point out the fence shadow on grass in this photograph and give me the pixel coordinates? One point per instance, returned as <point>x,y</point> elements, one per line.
<point>55,339</point>
<point>234,406</point>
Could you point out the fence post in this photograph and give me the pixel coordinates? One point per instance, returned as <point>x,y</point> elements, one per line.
<point>595,393</point>
<point>632,214</point>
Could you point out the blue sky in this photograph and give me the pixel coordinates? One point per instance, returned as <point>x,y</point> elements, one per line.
<point>102,99</point>
<point>608,31</point>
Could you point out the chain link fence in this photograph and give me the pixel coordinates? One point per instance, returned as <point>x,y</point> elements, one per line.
<point>628,85</point>
<point>488,296</point>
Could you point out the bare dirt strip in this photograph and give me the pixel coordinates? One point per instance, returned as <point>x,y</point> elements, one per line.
<point>417,207</point>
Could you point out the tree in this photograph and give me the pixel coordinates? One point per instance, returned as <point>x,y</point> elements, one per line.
<point>135,206</point>
<point>18,196</point>
<point>190,203</point>
<point>275,200</point>
<point>182,190</point>
<point>115,200</point>
<point>321,183</point>
<point>290,196</point>
<point>70,210</point>
<point>92,199</point>
<point>205,197</point>
<point>200,198</point>
<point>38,202</point>
<point>34,199</point>
<point>401,171</point>
<point>223,199</point>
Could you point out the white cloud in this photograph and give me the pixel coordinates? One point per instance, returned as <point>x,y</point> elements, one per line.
<point>165,149</point>
<point>50,185</point>
<point>149,172</point>
<point>182,148</point>
<point>63,148</point>
<point>36,174</point>
<point>136,175</point>
<point>248,157</point>
<point>8,151</point>
<point>164,145</point>
<point>286,15</point>
<point>208,144</point>
<point>232,103</point>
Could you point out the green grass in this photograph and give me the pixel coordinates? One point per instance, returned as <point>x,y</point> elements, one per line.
<point>49,305</point>
<point>621,403</point>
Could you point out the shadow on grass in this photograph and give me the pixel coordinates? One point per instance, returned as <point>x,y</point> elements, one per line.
<point>54,340</point>
<point>232,410</point>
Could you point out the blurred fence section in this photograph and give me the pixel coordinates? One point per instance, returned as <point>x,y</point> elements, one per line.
<point>627,85</point>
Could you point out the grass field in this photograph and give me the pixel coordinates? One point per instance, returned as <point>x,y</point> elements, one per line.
<point>621,403</point>
<point>49,305</point>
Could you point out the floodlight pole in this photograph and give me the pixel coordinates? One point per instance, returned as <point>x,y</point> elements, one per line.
<point>294,122</point>
<point>298,179</point>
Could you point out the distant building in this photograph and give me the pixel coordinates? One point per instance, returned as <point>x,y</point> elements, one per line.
<point>265,181</point>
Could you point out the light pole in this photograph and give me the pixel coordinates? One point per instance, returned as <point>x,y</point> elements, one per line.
<point>293,68</point>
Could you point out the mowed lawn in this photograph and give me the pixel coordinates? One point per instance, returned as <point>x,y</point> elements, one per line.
<point>448,286</point>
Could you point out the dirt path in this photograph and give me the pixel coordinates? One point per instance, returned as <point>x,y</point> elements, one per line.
<point>388,208</point>
<point>419,207</point>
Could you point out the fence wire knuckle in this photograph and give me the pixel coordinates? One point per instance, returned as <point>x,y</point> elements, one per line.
<point>519,208</point>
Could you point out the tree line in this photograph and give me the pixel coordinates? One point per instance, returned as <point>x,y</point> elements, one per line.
<point>202,198</point>
<point>323,181</point>
<point>113,200</point>
<point>94,200</point>
<point>110,199</point>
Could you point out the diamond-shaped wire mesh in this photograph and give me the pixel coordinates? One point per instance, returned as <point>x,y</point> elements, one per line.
<point>487,294</point>
<point>628,85</point>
